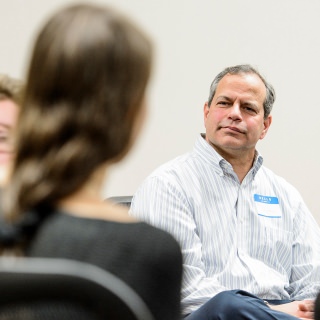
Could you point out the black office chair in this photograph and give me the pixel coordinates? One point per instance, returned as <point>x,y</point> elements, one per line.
<point>60,289</point>
<point>317,308</point>
<point>123,200</point>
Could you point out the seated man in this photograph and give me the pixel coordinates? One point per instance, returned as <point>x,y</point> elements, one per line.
<point>251,247</point>
<point>10,99</point>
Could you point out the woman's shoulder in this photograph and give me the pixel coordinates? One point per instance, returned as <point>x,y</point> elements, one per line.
<point>117,218</point>
<point>161,245</point>
<point>153,233</point>
<point>96,209</point>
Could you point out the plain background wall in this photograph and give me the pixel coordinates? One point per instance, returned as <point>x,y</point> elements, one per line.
<point>194,41</point>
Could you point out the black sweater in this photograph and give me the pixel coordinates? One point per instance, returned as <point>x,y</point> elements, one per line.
<point>146,258</point>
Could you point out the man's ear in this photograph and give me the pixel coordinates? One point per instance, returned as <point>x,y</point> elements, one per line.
<point>206,109</point>
<point>266,123</point>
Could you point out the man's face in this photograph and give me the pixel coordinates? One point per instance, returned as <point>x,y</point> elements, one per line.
<point>8,117</point>
<point>235,121</point>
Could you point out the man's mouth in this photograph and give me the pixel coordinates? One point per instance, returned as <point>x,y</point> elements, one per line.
<point>235,129</point>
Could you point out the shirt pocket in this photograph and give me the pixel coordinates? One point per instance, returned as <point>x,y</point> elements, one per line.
<point>278,245</point>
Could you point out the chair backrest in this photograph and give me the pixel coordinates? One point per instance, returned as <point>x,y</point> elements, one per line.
<point>317,308</point>
<point>123,200</point>
<point>60,289</point>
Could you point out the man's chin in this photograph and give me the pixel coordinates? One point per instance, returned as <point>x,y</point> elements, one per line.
<point>3,174</point>
<point>5,157</point>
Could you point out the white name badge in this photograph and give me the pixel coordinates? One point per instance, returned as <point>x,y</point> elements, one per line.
<point>267,206</point>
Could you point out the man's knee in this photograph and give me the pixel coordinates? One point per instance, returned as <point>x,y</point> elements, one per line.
<point>226,304</point>
<point>225,299</point>
<point>233,304</point>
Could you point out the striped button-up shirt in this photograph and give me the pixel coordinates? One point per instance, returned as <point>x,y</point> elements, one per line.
<point>257,235</point>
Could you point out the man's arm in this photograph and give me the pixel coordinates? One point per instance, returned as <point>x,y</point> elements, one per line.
<point>300,309</point>
<point>305,272</point>
<point>163,205</point>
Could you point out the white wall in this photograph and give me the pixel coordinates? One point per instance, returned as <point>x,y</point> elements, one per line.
<point>194,41</point>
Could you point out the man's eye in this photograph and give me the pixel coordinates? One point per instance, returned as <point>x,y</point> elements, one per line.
<point>4,138</point>
<point>223,103</point>
<point>250,109</point>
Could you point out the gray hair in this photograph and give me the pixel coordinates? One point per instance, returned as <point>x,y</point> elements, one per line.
<point>244,69</point>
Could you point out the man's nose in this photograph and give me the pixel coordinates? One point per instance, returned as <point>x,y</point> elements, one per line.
<point>235,112</point>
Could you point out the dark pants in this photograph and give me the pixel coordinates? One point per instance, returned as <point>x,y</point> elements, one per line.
<point>238,305</point>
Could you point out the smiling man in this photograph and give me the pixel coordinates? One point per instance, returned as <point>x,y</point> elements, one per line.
<point>10,99</point>
<point>251,247</point>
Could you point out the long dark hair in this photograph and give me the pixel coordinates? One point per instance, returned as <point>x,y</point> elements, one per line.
<point>86,82</point>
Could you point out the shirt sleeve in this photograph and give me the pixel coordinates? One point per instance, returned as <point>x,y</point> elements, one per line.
<point>160,202</point>
<point>305,273</point>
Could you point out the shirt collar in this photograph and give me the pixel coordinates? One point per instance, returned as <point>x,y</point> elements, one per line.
<point>208,154</point>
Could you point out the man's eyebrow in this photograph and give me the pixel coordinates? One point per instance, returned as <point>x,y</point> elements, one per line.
<point>5,126</point>
<point>251,103</point>
<point>224,97</point>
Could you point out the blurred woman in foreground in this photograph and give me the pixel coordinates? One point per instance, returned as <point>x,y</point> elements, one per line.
<point>83,108</point>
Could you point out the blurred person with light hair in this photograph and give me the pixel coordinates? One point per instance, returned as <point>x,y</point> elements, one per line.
<point>10,100</point>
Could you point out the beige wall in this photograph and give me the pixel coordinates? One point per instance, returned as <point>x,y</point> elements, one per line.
<point>194,41</point>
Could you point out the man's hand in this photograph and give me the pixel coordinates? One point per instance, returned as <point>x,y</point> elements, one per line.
<point>300,309</point>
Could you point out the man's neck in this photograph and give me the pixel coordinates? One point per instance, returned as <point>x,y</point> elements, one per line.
<point>241,161</point>
<point>241,169</point>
